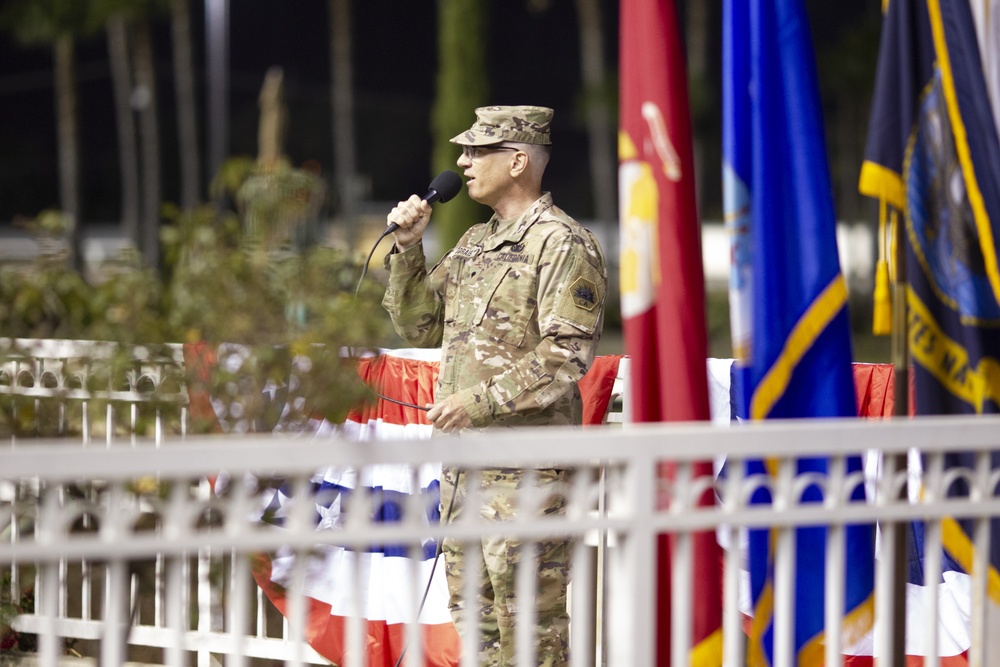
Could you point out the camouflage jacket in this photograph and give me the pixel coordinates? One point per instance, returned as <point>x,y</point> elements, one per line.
<point>518,310</point>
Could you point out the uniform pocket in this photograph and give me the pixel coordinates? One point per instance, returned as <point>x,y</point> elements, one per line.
<point>508,305</point>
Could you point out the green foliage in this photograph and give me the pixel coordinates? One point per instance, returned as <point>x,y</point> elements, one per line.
<point>231,176</point>
<point>291,312</point>
<point>42,22</point>
<point>48,299</point>
<point>12,605</point>
<point>102,10</point>
<point>277,201</point>
<point>461,87</point>
<point>292,315</point>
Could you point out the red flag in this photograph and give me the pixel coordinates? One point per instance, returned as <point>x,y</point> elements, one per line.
<point>662,283</point>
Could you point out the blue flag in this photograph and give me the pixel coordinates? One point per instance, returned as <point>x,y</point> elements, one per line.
<point>793,339</point>
<point>933,157</point>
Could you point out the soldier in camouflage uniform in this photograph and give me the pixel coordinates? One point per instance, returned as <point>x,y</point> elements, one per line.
<point>517,307</point>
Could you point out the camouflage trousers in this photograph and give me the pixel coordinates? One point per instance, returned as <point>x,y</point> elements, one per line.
<point>498,563</point>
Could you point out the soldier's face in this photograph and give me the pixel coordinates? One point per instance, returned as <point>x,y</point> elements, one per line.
<point>488,172</point>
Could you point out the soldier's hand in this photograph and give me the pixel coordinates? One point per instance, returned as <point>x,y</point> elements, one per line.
<point>412,217</point>
<point>450,415</point>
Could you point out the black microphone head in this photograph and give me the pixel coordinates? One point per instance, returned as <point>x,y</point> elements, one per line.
<point>444,186</point>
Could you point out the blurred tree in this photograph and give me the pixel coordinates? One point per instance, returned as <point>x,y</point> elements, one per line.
<point>286,316</point>
<point>269,324</point>
<point>50,299</point>
<point>145,102</point>
<point>278,203</point>
<point>57,23</point>
<point>16,598</point>
<point>342,102</point>
<point>697,28</point>
<point>187,116</point>
<point>598,107</point>
<point>462,85</point>
<point>131,50</point>
<point>128,148</point>
<point>597,102</point>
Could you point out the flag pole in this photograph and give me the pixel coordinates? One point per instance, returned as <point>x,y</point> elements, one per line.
<point>901,394</point>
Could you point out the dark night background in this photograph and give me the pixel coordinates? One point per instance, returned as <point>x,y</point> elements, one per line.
<point>533,58</point>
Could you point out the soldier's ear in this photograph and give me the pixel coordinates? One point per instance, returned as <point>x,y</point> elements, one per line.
<point>518,163</point>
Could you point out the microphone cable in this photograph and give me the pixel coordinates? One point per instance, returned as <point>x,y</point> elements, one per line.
<point>451,504</point>
<point>364,267</point>
<point>437,555</point>
<point>444,186</point>
<point>403,403</point>
<point>357,291</point>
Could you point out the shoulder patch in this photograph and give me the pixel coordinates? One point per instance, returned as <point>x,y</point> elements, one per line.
<point>584,293</point>
<point>581,301</point>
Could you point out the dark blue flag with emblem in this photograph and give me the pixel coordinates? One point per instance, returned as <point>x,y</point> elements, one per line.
<point>933,158</point>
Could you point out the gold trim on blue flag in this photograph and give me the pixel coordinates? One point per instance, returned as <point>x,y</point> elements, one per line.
<point>830,302</point>
<point>975,195</point>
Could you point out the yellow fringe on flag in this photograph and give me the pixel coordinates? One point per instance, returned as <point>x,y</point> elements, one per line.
<point>882,308</point>
<point>882,313</point>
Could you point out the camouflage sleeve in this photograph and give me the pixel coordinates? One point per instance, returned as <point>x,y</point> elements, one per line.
<point>413,299</point>
<point>572,289</point>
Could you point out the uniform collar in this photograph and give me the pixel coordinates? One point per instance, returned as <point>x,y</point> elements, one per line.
<point>512,232</point>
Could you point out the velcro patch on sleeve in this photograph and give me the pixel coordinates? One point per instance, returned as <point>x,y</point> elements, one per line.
<point>582,300</point>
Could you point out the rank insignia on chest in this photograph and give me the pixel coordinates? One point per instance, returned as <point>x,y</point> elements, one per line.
<point>584,293</point>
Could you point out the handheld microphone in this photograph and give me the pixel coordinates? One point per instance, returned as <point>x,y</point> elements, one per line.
<point>444,186</point>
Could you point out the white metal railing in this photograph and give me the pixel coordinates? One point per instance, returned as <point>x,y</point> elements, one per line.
<point>104,389</point>
<point>630,455</point>
<point>133,535</point>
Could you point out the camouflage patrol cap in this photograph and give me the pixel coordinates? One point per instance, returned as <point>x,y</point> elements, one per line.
<point>519,124</point>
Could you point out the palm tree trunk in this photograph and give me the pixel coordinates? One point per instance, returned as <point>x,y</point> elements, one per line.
<point>186,116</point>
<point>342,99</point>
<point>145,78</point>
<point>602,153</point>
<point>462,86</point>
<point>696,31</point>
<point>128,151</point>
<point>69,142</point>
